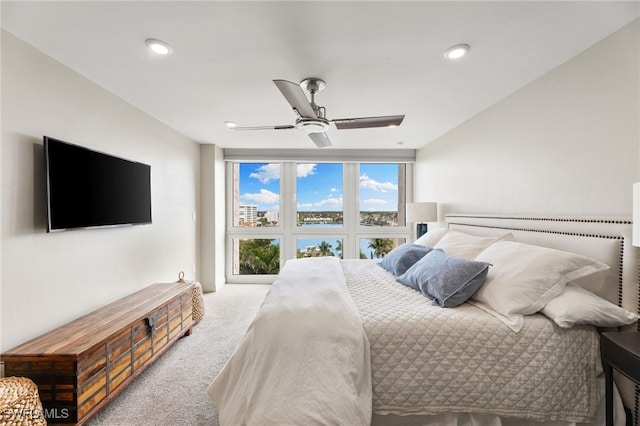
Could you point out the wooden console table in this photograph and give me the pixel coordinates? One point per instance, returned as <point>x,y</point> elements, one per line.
<point>81,366</point>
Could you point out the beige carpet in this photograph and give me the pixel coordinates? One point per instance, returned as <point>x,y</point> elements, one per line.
<point>172,391</point>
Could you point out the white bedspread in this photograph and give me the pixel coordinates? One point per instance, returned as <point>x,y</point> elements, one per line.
<point>304,359</point>
<point>431,360</point>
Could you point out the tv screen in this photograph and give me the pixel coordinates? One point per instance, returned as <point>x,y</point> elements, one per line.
<point>86,188</point>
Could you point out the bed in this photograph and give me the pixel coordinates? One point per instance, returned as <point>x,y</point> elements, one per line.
<point>357,342</point>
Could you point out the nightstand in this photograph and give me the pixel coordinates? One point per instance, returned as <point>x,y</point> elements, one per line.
<point>622,352</point>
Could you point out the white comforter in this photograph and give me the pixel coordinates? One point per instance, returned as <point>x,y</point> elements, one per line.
<point>336,340</point>
<point>430,360</point>
<point>304,359</point>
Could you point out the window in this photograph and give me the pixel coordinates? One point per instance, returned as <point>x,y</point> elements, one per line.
<point>379,195</point>
<point>377,248</point>
<point>256,194</point>
<point>286,210</point>
<point>316,247</point>
<point>319,194</point>
<point>256,256</point>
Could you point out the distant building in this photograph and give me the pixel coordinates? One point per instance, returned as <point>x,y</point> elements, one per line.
<point>247,215</point>
<point>318,219</point>
<point>272,216</point>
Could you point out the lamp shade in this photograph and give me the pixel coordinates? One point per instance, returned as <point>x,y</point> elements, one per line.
<point>422,212</point>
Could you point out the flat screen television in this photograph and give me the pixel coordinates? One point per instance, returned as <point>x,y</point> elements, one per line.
<point>88,189</point>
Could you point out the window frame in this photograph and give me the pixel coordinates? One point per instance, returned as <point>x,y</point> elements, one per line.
<point>287,230</point>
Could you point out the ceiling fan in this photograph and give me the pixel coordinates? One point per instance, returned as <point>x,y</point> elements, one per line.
<point>312,117</point>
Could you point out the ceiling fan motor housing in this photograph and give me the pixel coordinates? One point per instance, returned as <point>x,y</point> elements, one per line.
<point>312,125</point>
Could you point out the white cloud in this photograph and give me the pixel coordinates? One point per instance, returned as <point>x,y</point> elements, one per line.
<point>375,201</point>
<point>367,182</point>
<point>304,170</point>
<point>264,197</point>
<point>333,190</point>
<point>267,173</point>
<point>304,206</point>
<point>330,202</point>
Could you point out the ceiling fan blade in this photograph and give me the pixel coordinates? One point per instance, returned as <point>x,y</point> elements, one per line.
<point>364,122</point>
<point>296,98</point>
<point>284,127</point>
<point>320,139</point>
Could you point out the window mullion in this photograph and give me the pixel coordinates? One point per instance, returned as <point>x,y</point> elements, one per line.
<point>350,207</point>
<point>288,206</point>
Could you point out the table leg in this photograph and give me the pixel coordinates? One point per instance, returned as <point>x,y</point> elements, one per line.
<point>608,377</point>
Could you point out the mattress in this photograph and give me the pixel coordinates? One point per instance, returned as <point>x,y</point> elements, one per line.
<point>429,360</point>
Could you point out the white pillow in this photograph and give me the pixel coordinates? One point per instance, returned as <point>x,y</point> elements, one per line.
<point>431,237</point>
<point>576,305</point>
<point>466,246</point>
<point>524,278</point>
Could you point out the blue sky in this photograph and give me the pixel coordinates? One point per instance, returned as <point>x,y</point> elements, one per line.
<point>319,186</point>
<point>379,187</point>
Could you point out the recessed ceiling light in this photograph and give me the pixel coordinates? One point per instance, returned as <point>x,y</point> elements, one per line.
<point>159,46</point>
<point>230,124</point>
<point>457,51</point>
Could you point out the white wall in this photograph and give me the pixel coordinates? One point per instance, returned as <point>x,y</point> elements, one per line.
<point>50,279</point>
<point>566,144</point>
<point>212,218</point>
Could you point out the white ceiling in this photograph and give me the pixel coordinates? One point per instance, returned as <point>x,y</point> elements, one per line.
<point>377,58</point>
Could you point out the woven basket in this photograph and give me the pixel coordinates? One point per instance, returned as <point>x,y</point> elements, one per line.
<point>198,300</point>
<point>20,403</point>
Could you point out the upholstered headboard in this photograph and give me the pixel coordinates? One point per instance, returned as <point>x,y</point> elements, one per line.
<point>604,238</point>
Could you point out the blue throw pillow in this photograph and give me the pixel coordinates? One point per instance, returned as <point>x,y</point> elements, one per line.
<point>448,280</point>
<point>403,257</point>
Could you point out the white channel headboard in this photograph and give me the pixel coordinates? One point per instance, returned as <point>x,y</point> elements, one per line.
<point>607,239</point>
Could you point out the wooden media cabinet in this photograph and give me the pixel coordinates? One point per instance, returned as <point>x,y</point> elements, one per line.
<point>81,366</point>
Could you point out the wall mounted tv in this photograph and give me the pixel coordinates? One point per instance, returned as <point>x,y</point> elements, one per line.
<point>87,189</point>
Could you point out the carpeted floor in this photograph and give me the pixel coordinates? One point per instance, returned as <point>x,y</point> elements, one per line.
<point>172,391</point>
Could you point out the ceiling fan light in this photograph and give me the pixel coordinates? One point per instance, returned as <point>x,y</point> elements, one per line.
<point>312,125</point>
<point>158,46</point>
<point>457,51</point>
<point>230,124</point>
